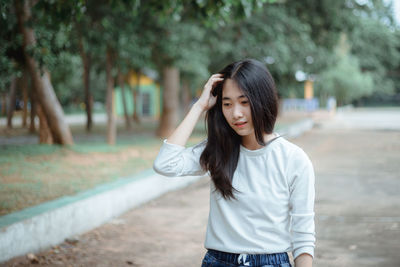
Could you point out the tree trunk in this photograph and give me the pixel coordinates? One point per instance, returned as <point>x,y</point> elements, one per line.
<point>3,104</point>
<point>121,85</point>
<point>45,136</point>
<point>86,83</point>
<point>24,87</point>
<point>49,103</point>
<point>32,126</point>
<point>135,91</point>
<point>169,116</point>
<point>11,101</point>
<point>111,125</point>
<point>186,96</point>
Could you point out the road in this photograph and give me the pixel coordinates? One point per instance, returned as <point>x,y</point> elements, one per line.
<point>357,163</point>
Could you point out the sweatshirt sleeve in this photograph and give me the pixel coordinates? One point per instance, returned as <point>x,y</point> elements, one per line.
<point>175,160</point>
<point>302,195</point>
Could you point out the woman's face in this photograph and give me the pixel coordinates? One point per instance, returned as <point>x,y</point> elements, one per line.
<point>236,109</point>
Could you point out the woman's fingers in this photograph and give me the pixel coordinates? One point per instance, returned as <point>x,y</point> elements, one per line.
<point>215,77</point>
<point>213,80</point>
<point>207,100</point>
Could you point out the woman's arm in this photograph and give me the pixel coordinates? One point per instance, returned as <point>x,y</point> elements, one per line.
<point>185,128</point>
<point>205,102</point>
<point>176,160</point>
<point>302,194</point>
<point>303,260</point>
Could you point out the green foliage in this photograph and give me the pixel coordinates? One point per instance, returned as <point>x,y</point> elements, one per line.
<point>51,22</point>
<point>214,14</point>
<point>326,19</point>
<point>7,70</point>
<point>67,78</point>
<point>200,37</point>
<point>377,47</point>
<point>180,44</point>
<point>345,81</point>
<point>271,35</point>
<point>10,43</point>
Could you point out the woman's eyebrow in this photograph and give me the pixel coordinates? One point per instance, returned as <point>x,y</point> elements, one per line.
<point>228,98</point>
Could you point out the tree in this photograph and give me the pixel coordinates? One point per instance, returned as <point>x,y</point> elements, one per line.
<point>170,61</point>
<point>114,37</point>
<point>11,101</point>
<point>78,41</point>
<point>181,23</point>
<point>50,106</point>
<point>376,46</point>
<point>345,81</point>
<point>86,61</point>
<point>271,35</point>
<point>10,60</point>
<point>364,23</point>
<point>121,85</point>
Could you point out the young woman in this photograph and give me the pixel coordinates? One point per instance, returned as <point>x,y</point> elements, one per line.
<point>262,190</point>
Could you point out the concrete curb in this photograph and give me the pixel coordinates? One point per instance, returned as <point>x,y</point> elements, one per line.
<point>40,227</point>
<point>37,228</point>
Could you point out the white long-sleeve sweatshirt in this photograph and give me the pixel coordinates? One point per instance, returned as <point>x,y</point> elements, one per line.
<point>274,209</point>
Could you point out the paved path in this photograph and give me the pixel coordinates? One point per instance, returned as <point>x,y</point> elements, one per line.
<point>357,168</point>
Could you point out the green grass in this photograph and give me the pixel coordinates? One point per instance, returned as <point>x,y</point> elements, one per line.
<point>26,150</point>
<point>32,174</point>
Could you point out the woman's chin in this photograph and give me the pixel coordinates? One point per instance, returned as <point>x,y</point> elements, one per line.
<point>243,132</point>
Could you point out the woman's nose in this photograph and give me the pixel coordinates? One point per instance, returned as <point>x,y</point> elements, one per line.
<point>237,112</point>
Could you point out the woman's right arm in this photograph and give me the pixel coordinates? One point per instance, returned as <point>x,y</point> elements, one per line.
<point>205,102</point>
<point>176,160</point>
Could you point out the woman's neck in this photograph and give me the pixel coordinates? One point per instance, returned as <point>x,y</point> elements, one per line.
<point>250,141</point>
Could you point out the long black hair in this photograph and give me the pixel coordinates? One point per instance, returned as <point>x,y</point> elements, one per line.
<point>221,154</point>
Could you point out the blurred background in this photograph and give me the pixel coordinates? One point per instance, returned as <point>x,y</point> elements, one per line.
<point>149,59</point>
<point>88,89</point>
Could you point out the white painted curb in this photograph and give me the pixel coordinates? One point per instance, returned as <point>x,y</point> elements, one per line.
<point>53,226</point>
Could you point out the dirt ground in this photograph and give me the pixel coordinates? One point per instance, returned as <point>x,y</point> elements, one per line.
<point>357,210</point>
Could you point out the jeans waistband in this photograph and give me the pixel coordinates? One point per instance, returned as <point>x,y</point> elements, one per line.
<point>250,259</point>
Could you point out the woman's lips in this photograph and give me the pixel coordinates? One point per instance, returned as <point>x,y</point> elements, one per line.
<point>240,124</point>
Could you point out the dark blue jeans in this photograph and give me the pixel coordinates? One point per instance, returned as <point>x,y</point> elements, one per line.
<point>214,258</point>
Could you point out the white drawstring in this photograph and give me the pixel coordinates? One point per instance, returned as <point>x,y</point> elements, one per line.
<point>243,258</point>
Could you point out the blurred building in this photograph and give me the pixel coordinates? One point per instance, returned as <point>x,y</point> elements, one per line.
<point>148,96</point>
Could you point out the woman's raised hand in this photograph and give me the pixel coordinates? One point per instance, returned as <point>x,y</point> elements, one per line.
<point>207,100</point>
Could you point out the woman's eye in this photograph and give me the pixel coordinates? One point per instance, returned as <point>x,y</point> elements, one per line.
<point>245,102</point>
<point>226,104</point>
